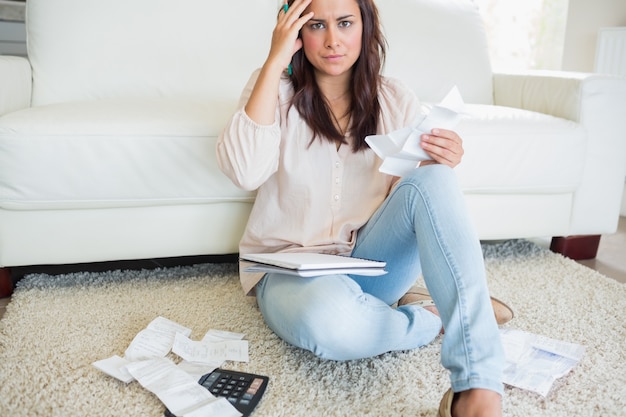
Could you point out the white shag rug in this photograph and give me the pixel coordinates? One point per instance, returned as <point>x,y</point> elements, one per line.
<point>56,326</point>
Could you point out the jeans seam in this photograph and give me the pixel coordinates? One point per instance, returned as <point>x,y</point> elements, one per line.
<point>434,223</point>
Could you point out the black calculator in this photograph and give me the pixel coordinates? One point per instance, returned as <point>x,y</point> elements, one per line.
<point>242,389</point>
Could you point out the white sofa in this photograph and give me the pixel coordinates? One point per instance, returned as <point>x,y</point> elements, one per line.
<point>107,131</point>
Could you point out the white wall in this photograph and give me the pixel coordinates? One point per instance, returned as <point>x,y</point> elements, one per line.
<point>623,210</point>
<point>584,19</point>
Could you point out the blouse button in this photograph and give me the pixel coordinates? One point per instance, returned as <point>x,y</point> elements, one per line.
<point>336,197</point>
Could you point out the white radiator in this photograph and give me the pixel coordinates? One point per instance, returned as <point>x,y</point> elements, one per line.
<point>611,59</point>
<point>611,51</point>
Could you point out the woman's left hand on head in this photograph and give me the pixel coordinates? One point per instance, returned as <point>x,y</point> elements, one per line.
<point>444,146</point>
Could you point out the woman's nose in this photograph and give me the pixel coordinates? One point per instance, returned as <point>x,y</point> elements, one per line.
<point>332,39</point>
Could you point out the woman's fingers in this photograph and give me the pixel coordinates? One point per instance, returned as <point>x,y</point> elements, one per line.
<point>444,146</point>
<point>285,41</point>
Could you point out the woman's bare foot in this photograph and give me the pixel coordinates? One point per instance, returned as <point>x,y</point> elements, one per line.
<point>477,403</point>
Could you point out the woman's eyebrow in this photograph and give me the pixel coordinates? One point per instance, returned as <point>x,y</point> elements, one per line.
<point>338,19</point>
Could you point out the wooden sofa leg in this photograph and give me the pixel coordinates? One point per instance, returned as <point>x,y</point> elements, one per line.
<point>576,247</point>
<point>6,282</point>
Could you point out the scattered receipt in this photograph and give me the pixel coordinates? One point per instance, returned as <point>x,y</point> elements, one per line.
<point>179,391</point>
<point>206,351</point>
<point>155,341</point>
<point>400,150</point>
<point>176,385</point>
<point>535,362</point>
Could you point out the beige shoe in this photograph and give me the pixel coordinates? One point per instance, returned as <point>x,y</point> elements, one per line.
<point>445,406</point>
<point>503,313</point>
<point>419,297</point>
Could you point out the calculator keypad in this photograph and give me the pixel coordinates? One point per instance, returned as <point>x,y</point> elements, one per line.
<point>242,389</point>
<point>238,389</point>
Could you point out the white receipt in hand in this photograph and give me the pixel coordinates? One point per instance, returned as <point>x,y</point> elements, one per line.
<point>400,150</point>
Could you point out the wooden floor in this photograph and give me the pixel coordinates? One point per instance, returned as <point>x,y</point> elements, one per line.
<point>610,261</point>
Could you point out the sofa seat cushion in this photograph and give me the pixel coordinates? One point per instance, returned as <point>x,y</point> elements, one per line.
<point>513,151</point>
<point>113,153</point>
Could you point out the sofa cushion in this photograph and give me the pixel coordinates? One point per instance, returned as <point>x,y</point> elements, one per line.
<point>113,48</point>
<point>513,151</point>
<point>113,153</point>
<point>93,49</point>
<point>431,54</point>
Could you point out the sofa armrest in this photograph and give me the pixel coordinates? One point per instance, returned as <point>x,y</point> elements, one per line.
<point>15,84</point>
<point>597,102</point>
<point>558,93</point>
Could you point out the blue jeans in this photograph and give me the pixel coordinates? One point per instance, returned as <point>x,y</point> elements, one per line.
<point>422,227</point>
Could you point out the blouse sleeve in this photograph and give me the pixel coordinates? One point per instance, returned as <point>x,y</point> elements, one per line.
<point>248,152</point>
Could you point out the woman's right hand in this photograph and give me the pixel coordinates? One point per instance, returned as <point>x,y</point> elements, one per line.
<point>285,40</point>
<point>261,106</point>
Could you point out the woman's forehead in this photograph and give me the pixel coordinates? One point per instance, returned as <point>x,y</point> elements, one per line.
<point>333,9</point>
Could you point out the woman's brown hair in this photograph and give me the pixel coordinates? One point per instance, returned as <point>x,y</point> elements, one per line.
<point>365,82</point>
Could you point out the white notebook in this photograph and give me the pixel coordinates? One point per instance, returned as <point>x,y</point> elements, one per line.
<point>312,264</point>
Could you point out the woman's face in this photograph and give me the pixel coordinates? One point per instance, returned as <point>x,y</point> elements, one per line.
<point>332,38</point>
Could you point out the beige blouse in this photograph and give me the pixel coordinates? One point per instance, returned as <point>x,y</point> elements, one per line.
<point>309,198</point>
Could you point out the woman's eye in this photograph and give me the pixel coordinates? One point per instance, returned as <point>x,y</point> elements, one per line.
<point>345,24</point>
<point>316,26</point>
